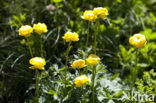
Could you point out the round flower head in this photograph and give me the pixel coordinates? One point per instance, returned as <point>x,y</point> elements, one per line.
<point>81,80</point>
<point>101,12</point>
<point>137,40</point>
<point>69,36</point>
<point>40,28</point>
<point>25,30</point>
<point>78,64</point>
<point>37,63</point>
<point>89,15</point>
<point>93,59</point>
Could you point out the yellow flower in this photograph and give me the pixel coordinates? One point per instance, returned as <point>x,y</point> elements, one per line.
<point>137,40</point>
<point>78,64</point>
<point>89,15</point>
<point>69,36</point>
<point>81,80</point>
<point>40,28</point>
<point>93,59</point>
<point>37,63</point>
<point>102,12</point>
<point>25,30</point>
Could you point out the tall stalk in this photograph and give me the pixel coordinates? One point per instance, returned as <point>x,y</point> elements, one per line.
<point>135,69</point>
<point>37,87</point>
<point>93,79</point>
<point>41,46</point>
<point>66,67</point>
<point>94,69</point>
<point>36,72</point>
<point>86,53</point>
<point>95,34</point>
<point>87,39</point>
<point>30,50</point>
<point>134,72</point>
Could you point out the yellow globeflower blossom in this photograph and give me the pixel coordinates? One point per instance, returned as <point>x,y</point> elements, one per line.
<point>25,30</point>
<point>40,28</point>
<point>93,59</point>
<point>89,15</point>
<point>78,64</point>
<point>101,12</point>
<point>37,63</point>
<point>81,80</point>
<point>69,36</point>
<point>137,40</point>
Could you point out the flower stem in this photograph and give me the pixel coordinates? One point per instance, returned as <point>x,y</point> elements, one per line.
<point>87,39</point>
<point>96,30</point>
<point>28,42</point>
<point>37,88</point>
<point>86,53</point>
<point>41,46</point>
<point>66,67</point>
<point>136,62</point>
<point>79,72</point>
<point>36,72</point>
<point>134,72</point>
<point>83,95</point>
<point>93,79</point>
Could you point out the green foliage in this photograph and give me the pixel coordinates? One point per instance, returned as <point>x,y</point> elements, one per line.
<point>147,83</point>
<point>126,17</point>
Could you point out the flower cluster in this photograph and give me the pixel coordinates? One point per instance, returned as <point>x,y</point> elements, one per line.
<point>37,63</point>
<point>91,60</point>
<point>81,80</point>
<point>92,15</point>
<point>69,36</point>
<point>26,30</point>
<point>137,40</point>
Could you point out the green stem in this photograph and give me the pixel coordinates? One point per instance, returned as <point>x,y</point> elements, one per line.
<point>86,53</point>
<point>83,95</point>
<point>41,46</point>
<point>36,72</point>
<point>134,72</point>
<point>28,42</point>
<point>66,68</point>
<point>37,88</point>
<point>96,30</point>
<point>79,71</point>
<point>87,39</point>
<point>93,79</point>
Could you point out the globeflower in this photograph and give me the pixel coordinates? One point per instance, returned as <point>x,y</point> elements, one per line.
<point>40,28</point>
<point>78,64</point>
<point>137,40</point>
<point>81,80</point>
<point>25,30</point>
<point>69,36</point>
<point>89,15</point>
<point>93,59</point>
<point>37,63</point>
<point>101,12</point>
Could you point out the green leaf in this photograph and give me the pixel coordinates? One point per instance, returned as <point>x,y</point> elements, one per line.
<point>52,92</point>
<point>114,76</point>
